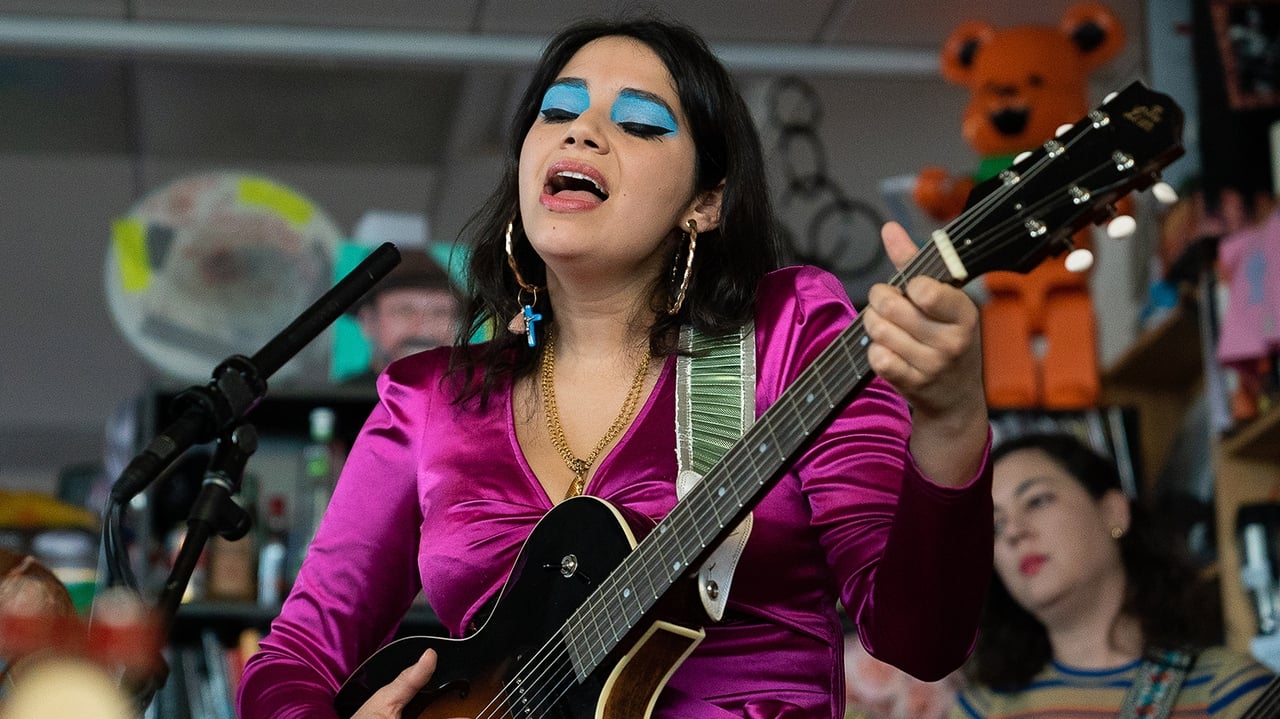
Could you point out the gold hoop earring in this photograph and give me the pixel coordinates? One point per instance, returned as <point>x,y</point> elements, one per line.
<point>692,234</point>
<point>523,322</point>
<point>1117,532</point>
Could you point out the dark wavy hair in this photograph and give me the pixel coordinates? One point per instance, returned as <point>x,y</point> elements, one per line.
<point>1013,646</point>
<point>722,288</point>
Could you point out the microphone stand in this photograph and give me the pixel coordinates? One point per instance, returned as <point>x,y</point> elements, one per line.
<point>217,411</point>
<point>215,511</point>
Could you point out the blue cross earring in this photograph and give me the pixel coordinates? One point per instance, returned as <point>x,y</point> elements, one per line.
<point>523,322</point>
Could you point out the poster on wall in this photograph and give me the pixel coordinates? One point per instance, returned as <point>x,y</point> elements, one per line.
<point>415,307</point>
<point>1248,38</point>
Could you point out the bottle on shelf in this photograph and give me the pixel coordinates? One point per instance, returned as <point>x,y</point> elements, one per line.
<point>233,570</point>
<point>273,558</point>
<point>319,457</point>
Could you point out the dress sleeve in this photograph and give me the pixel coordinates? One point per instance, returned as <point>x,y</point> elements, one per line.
<point>911,559</point>
<point>360,574</point>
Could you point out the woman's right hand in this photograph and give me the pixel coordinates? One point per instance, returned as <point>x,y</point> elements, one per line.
<point>389,701</point>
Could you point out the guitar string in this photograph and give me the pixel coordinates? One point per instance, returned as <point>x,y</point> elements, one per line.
<point>923,259</point>
<point>930,258</point>
<point>615,630</point>
<point>548,694</point>
<point>499,704</point>
<point>539,660</point>
<point>927,258</point>
<point>549,658</point>
<point>992,198</point>
<point>982,210</point>
<point>552,694</point>
<point>997,197</point>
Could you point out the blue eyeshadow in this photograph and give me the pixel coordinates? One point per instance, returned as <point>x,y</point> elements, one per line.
<point>567,96</point>
<point>634,108</point>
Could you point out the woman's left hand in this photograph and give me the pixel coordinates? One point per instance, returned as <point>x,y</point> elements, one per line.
<point>926,343</point>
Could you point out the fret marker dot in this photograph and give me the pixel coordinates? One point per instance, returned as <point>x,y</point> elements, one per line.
<point>721,491</point>
<point>864,341</point>
<point>662,529</point>
<point>626,593</point>
<point>764,447</point>
<point>676,566</point>
<point>809,397</point>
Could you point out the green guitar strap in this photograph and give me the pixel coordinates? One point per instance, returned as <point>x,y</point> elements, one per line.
<point>715,403</point>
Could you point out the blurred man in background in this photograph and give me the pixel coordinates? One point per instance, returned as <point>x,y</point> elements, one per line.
<point>413,308</point>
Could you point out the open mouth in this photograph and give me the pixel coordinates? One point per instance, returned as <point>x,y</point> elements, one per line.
<point>1010,122</point>
<point>567,183</point>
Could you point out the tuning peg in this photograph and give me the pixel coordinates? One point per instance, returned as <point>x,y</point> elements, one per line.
<point>1079,261</point>
<point>1062,130</point>
<point>1110,96</point>
<point>1021,156</point>
<point>1164,193</point>
<point>1121,226</point>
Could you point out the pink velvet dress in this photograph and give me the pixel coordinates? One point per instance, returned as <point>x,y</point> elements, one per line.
<point>438,498</point>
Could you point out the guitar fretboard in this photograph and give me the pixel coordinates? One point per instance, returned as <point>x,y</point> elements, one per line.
<point>726,494</point>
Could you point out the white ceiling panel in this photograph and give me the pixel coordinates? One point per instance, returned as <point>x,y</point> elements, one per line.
<point>83,8</point>
<point>292,113</point>
<point>455,16</point>
<point>733,20</point>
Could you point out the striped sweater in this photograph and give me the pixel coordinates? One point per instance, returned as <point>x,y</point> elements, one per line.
<point>1222,684</point>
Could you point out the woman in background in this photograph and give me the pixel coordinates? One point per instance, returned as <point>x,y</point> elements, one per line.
<point>1088,599</point>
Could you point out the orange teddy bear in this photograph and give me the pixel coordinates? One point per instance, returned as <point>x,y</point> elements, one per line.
<point>1024,83</point>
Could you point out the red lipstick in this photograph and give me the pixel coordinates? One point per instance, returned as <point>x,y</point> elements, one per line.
<point>1031,564</point>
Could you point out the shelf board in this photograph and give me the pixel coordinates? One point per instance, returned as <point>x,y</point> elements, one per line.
<point>1165,357</point>
<point>1259,439</point>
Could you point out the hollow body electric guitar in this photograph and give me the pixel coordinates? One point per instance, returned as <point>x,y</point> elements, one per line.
<point>592,622</point>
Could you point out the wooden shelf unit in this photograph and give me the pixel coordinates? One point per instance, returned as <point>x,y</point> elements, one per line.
<point>1160,376</point>
<point>1247,469</point>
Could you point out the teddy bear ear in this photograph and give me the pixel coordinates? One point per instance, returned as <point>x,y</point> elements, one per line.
<point>960,52</point>
<point>1094,30</point>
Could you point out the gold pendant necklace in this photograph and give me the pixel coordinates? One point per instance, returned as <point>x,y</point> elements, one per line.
<point>578,466</point>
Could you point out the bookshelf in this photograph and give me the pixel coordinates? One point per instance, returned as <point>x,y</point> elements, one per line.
<point>1160,375</point>
<point>1248,470</point>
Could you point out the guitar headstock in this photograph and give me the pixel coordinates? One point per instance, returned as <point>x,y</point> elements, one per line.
<point>1030,210</point>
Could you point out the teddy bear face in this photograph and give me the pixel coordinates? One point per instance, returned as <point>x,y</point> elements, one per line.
<point>1031,83</point>
<point>1027,81</point>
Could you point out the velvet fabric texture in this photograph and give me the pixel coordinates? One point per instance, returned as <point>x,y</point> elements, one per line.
<point>438,497</point>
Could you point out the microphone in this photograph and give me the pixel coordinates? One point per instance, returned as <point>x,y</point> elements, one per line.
<point>239,383</point>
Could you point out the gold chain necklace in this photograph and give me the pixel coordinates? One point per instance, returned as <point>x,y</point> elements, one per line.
<point>580,467</point>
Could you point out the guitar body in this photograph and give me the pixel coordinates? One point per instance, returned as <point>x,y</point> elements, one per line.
<point>570,551</point>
